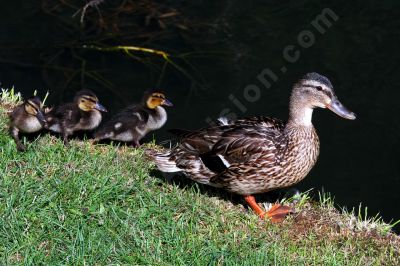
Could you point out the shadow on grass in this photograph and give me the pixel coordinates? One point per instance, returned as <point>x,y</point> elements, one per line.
<point>180,180</point>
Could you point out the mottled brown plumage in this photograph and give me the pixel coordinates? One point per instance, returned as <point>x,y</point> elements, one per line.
<point>83,114</point>
<point>256,155</point>
<point>135,121</point>
<point>26,118</point>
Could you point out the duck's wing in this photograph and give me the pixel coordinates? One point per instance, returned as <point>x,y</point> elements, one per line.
<point>248,154</point>
<point>246,143</point>
<point>198,141</point>
<point>263,121</point>
<point>216,152</point>
<point>225,131</point>
<point>220,146</point>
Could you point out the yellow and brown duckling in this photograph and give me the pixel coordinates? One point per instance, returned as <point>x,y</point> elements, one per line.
<point>83,114</point>
<point>135,121</point>
<point>26,118</point>
<point>257,155</point>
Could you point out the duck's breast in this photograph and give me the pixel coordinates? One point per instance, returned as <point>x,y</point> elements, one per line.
<point>301,155</point>
<point>90,122</point>
<point>158,119</point>
<point>30,125</point>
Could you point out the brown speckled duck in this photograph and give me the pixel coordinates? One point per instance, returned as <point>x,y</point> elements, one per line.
<point>26,118</point>
<point>257,155</point>
<point>135,121</point>
<point>83,114</point>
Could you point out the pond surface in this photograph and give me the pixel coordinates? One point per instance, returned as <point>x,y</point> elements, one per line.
<point>357,48</point>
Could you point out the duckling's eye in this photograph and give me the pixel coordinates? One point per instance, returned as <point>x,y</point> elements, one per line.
<point>319,88</point>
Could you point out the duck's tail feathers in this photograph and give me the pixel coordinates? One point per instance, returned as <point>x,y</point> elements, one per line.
<point>224,121</point>
<point>163,161</point>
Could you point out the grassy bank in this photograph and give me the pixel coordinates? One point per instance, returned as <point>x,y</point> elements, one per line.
<point>87,205</point>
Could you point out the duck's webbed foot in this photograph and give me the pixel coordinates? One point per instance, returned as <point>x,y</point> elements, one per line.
<point>95,141</point>
<point>14,133</point>
<point>66,132</point>
<point>65,138</point>
<point>135,144</point>
<point>21,147</point>
<point>277,213</point>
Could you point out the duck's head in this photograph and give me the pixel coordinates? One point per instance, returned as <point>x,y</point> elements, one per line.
<point>87,101</point>
<point>33,106</point>
<point>314,90</point>
<point>154,99</point>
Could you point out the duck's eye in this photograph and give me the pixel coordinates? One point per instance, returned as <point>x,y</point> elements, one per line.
<point>319,88</point>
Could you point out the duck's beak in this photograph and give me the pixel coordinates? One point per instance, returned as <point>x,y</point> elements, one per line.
<point>100,107</point>
<point>40,117</point>
<point>167,103</point>
<point>338,108</point>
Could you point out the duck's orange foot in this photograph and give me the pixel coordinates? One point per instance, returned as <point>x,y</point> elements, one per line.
<point>278,213</point>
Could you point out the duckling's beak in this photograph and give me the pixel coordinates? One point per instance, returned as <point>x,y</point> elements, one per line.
<point>167,103</point>
<point>40,117</point>
<point>338,108</point>
<point>100,107</point>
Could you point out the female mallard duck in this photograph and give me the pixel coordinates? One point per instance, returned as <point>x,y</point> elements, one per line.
<point>135,121</point>
<point>84,113</point>
<point>256,155</point>
<point>26,118</point>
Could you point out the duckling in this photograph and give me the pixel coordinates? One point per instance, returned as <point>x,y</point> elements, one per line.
<point>26,118</point>
<point>83,114</point>
<point>135,121</point>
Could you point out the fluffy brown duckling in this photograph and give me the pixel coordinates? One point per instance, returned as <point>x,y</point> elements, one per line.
<point>135,121</point>
<point>83,114</point>
<point>26,118</point>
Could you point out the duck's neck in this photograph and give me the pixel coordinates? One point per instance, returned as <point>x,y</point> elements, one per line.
<point>301,117</point>
<point>300,113</point>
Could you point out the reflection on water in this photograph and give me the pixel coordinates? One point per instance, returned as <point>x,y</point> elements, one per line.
<point>242,70</point>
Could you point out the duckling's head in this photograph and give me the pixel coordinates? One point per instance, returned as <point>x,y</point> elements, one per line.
<point>87,101</point>
<point>314,90</point>
<point>33,106</point>
<point>154,99</point>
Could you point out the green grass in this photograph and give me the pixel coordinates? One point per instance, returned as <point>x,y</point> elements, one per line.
<point>98,205</point>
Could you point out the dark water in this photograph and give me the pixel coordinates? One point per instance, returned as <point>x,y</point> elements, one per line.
<point>358,50</point>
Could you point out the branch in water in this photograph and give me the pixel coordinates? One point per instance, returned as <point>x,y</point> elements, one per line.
<point>92,3</point>
<point>129,48</point>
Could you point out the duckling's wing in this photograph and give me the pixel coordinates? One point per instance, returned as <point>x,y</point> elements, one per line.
<point>64,114</point>
<point>127,119</point>
<point>68,113</point>
<point>17,112</point>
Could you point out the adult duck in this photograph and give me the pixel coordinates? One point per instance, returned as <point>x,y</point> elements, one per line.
<point>257,155</point>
